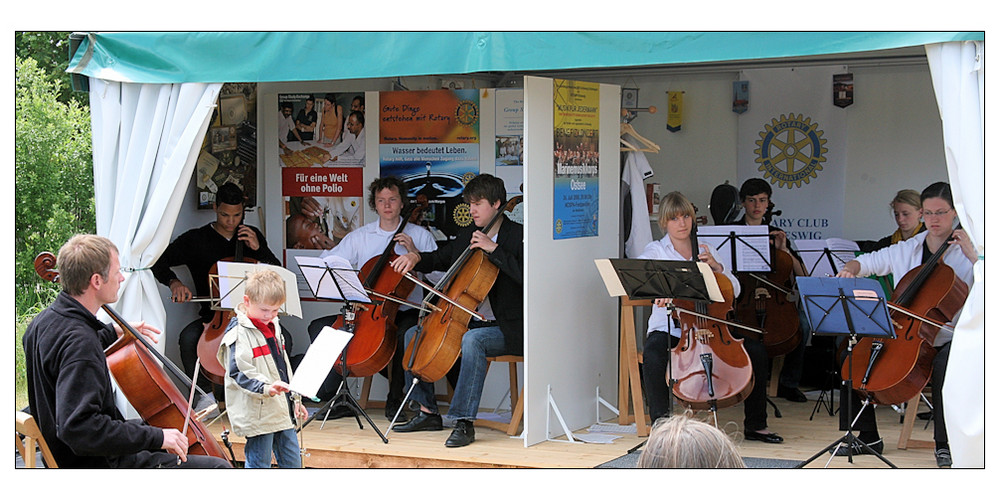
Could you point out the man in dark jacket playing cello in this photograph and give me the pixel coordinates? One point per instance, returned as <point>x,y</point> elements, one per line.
<point>69,388</point>
<point>503,330</point>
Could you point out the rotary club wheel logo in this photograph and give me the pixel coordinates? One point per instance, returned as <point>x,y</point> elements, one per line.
<point>467,112</point>
<point>559,226</point>
<point>790,150</point>
<point>468,176</point>
<point>461,215</point>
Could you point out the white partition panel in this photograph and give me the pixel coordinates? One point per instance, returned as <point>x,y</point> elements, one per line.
<point>571,323</point>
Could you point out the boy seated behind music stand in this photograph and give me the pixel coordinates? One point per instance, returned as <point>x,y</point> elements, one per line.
<point>257,372</point>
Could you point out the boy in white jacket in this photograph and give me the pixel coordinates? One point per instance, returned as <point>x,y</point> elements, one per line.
<point>257,376</point>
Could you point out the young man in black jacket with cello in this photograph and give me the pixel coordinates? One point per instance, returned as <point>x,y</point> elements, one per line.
<point>501,333</point>
<point>199,249</point>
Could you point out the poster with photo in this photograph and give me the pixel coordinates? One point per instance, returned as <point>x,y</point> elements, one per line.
<point>575,159</point>
<point>322,205</point>
<point>430,140</point>
<point>229,152</point>
<point>321,153</point>
<point>509,144</point>
<point>321,129</point>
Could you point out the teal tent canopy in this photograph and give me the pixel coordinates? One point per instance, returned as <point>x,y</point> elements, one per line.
<point>175,57</point>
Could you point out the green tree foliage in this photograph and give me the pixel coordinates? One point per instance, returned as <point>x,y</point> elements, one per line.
<point>50,49</point>
<point>54,179</point>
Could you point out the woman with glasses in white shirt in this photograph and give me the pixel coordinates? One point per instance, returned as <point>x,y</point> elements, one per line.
<point>940,217</point>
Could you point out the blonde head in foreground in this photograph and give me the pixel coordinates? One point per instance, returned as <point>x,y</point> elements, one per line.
<point>682,442</point>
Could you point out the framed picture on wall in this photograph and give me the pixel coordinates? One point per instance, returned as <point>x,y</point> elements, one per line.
<point>223,139</point>
<point>630,98</point>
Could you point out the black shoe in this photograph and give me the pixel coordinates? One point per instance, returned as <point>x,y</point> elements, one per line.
<point>857,449</point>
<point>943,457</point>
<point>390,411</point>
<point>925,415</point>
<point>771,438</point>
<point>463,435</point>
<point>791,394</point>
<point>340,412</point>
<point>422,422</point>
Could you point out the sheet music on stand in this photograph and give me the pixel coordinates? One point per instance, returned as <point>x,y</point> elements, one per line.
<point>232,285</point>
<point>751,246</point>
<point>332,278</point>
<point>653,279</point>
<point>826,257</point>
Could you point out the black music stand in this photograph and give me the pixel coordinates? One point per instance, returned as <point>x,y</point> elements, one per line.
<point>846,306</point>
<point>346,287</point>
<point>640,279</point>
<point>743,254</point>
<point>829,260</point>
<point>744,257</point>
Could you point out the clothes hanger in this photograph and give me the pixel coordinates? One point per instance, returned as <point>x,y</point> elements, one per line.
<point>650,146</point>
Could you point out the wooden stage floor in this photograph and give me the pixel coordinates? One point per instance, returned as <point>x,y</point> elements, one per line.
<point>341,444</point>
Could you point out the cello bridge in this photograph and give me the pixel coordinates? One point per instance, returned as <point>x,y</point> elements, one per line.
<point>703,335</point>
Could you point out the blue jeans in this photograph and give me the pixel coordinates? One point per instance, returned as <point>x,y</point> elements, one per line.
<point>283,444</point>
<point>477,345</point>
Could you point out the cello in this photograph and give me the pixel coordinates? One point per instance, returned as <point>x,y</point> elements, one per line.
<point>899,368</point>
<point>712,369</point>
<point>438,342</point>
<point>211,338</point>
<point>770,301</point>
<point>374,327</point>
<point>143,380</point>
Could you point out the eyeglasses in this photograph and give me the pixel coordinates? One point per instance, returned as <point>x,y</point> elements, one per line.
<point>940,213</point>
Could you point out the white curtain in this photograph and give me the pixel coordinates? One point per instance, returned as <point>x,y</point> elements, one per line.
<point>146,141</point>
<point>958,72</point>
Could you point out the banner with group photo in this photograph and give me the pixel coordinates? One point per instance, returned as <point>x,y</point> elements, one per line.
<point>576,155</point>
<point>795,138</point>
<point>430,140</point>
<point>509,148</point>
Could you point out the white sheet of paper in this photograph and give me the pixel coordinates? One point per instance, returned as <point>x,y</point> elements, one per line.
<point>817,264</point>
<point>318,273</point>
<point>319,360</point>
<point>711,284</point>
<point>610,277</point>
<point>232,285</point>
<point>753,250</point>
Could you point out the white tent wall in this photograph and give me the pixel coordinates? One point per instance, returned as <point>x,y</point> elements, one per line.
<point>894,138</point>
<point>571,324</point>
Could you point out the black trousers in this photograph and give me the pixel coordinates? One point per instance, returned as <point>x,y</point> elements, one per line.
<point>866,420</point>
<point>655,355</point>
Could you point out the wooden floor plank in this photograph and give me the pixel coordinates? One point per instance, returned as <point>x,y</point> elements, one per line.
<point>342,444</point>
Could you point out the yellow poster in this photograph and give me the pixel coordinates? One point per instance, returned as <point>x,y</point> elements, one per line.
<point>576,158</point>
